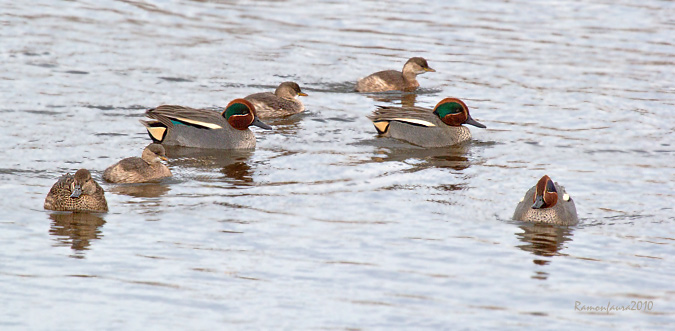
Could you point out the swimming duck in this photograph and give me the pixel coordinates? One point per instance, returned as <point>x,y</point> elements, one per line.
<point>438,127</point>
<point>391,80</point>
<point>76,193</point>
<point>283,102</point>
<point>547,202</point>
<point>203,128</point>
<point>142,169</point>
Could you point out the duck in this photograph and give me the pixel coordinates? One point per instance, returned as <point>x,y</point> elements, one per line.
<point>173,125</point>
<point>547,202</point>
<point>283,102</point>
<point>438,127</point>
<point>142,169</point>
<point>76,193</point>
<point>392,80</point>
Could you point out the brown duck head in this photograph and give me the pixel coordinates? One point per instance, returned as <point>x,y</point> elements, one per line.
<point>546,195</point>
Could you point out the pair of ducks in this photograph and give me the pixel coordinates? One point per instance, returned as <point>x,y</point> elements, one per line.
<point>80,192</point>
<point>549,201</point>
<point>189,127</point>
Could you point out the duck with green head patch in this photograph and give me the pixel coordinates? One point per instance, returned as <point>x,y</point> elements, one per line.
<point>203,128</point>
<point>438,127</point>
<point>78,193</point>
<point>547,202</point>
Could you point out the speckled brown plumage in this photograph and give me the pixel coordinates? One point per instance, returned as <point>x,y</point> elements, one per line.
<point>91,196</point>
<point>562,213</point>
<point>392,80</point>
<point>142,169</point>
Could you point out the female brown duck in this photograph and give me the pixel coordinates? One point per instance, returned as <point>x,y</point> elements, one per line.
<point>283,102</point>
<point>79,193</point>
<point>391,80</point>
<point>142,169</point>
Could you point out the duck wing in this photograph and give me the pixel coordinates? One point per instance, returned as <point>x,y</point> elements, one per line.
<point>410,115</point>
<point>171,115</point>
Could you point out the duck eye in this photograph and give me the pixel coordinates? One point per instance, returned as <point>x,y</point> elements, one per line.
<point>236,109</point>
<point>550,187</point>
<point>447,109</point>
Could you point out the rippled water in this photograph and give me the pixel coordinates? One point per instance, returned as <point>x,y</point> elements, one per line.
<point>324,225</point>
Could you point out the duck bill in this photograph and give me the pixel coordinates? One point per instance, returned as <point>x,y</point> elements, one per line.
<point>538,202</point>
<point>257,122</point>
<point>77,191</point>
<point>164,158</point>
<point>302,94</point>
<point>475,123</point>
<point>429,70</point>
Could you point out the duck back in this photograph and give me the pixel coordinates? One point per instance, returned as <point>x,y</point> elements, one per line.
<point>135,170</point>
<point>387,80</point>
<point>267,105</point>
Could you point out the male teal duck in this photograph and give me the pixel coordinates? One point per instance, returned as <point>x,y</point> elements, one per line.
<point>392,80</point>
<point>142,169</point>
<point>547,202</point>
<point>79,193</point>
<point>283,102</point>
<point>203,128</point>
<point>438,127</point>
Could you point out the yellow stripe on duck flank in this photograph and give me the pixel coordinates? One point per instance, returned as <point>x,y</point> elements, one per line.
<point>204,124</point>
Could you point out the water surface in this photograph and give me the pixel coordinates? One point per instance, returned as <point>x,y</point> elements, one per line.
<point>324,225</point>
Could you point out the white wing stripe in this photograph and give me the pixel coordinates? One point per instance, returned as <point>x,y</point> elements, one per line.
<point>206,124</point>
<point>414,121</point>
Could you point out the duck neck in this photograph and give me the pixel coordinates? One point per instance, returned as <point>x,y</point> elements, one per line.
<point>285,93</point>
<point>149,157</point>
<point>410,78</point>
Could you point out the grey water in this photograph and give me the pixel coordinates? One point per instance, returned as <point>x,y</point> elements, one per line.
<point>324,225</point>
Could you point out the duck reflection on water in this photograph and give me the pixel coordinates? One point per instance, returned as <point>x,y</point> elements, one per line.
<point>544,241</point>
<point>234,164</point>
<point>76,230</point>
<point>454,157</point>
<point>145,190</point>
<point>406,99</point>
